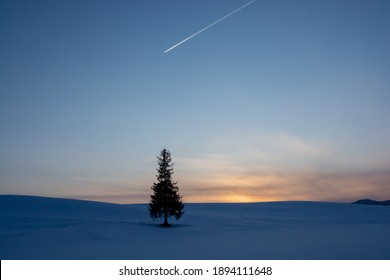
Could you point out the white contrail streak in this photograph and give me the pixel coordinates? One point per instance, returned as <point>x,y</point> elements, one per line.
<point>207,27</point>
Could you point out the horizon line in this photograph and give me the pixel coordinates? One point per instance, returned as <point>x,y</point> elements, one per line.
<point>191,202</point>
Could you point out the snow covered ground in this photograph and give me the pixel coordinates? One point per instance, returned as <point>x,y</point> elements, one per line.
<point>48,228</point>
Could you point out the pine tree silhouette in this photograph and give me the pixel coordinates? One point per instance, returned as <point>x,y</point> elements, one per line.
<point>166,200</point>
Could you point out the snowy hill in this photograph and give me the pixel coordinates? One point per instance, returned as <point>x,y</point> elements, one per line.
<point>49,228</point>
<point>372,202</point>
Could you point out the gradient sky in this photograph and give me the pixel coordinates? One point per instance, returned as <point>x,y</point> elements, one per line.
<point>284,100</point>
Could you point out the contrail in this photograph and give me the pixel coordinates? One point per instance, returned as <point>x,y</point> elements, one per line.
<point>207,27</point>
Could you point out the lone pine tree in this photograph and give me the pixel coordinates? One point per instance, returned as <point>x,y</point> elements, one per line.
<point>166,200</point>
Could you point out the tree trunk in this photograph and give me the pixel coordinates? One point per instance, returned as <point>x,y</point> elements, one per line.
<point>165,219</point>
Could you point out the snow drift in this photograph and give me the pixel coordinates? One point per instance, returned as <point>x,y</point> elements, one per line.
<point>50,228</point>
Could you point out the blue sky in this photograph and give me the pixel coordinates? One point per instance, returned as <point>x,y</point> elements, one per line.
<point>284,100</point>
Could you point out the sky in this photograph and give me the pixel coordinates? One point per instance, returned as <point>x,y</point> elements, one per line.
<point>283,100</point>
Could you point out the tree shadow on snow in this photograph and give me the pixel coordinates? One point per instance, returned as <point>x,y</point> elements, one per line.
<point>162,226</point>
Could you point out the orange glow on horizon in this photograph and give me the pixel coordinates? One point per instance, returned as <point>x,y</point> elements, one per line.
<point>242,188</point>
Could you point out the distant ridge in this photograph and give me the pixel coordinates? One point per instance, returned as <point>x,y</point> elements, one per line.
<point>372,202</point>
